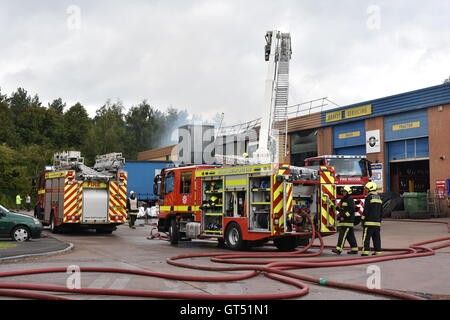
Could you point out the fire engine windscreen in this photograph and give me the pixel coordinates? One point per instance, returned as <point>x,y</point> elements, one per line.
<point>349,167</point>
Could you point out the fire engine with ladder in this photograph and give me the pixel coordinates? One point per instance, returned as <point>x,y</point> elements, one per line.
<point>71,194</point>
<point>258,199</point>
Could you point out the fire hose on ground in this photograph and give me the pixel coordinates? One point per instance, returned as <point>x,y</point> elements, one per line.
<point>251,263</point>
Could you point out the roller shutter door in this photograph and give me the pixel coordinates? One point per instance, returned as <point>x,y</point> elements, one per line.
<point>349,138</point>
<point>408,149</point>
<point>406,135</point>
<point>351,151</point>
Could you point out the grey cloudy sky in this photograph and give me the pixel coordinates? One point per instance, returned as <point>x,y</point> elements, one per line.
<point>207,56</point>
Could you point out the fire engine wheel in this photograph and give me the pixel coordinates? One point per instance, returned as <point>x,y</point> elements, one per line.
<point>20,234</point>
<point>173,232</point>
<point>220,243</point>
<point>303,242</point>
<point>285,244</point>
<point>233,237</point>
<point>53,227</point>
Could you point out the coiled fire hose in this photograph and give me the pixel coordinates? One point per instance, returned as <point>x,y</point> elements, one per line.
<point>274,269</point>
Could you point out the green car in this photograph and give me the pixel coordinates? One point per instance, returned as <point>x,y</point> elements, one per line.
<point>18,227</point>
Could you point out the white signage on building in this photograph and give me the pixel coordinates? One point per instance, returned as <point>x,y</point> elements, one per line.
<point>373,141</point>
<point>377,175</point>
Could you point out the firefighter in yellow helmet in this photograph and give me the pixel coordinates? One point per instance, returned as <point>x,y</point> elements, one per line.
<point>371,219</point>
<point>346,211</point>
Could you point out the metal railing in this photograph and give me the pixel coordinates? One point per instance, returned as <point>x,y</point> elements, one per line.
<point>297,110</point>
<point>313,106</point>
<point>239,128</point>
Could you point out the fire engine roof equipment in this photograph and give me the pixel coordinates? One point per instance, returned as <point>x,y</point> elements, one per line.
<point>72,160</point>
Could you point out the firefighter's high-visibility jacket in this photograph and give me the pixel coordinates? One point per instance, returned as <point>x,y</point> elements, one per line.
<point>347,211</point>
<point>132,206</point>
<point>372,210</point>
<point>18,199</point>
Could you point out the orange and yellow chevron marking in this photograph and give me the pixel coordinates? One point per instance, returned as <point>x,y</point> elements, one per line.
<point>328,202</point>
<point>289,197</point>
<point>113,202</point>
<point>326,177</point>
<point>80,201</point>
<point>123,194</point>
<point>283,169</point>
<point>117,199</point>
<point>70,197</point>
<point>277,205</point>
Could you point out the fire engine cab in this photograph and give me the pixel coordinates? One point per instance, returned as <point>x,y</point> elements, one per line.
<point>248,205</point>
<point>353,171</point>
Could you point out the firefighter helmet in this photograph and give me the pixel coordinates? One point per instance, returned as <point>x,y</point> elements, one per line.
<point>348,189</point>
<point>371,186</point>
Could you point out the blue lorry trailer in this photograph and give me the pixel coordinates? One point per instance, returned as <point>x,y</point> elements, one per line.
<point>140,178</point>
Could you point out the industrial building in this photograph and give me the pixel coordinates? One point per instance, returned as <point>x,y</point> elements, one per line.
<point>405,136</point>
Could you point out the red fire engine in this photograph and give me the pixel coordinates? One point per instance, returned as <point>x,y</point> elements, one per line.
<point>353,171</point>
<point>71,194</point>
<point>246,205</point>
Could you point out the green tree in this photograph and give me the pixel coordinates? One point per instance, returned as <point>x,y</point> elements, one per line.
<point>32,126</point>
<point>30,133</point>
<point>38,125</point>
<point>55,128</point>
<point>7,127</point>
<point>107,133</point>
<point>19,102</point>
<point>57,105</point>
<point>18,168</point>
<point>13,179</point>
<point>76,126</point>
<point>141,125</point>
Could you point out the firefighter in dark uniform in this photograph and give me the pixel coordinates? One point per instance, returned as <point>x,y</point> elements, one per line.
<point>132,209</point>
<point>371,220</point>
<point>346,211</point>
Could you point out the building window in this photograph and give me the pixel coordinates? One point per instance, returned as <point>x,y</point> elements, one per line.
<point>186,181</point>
<point>303,145</point>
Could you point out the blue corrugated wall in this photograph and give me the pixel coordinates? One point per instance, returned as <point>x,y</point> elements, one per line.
<point>422,98</point>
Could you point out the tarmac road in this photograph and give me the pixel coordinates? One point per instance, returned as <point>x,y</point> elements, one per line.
<point>128,248</point>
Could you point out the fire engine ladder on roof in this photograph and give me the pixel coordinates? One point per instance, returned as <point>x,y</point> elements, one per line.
<point>109,162</point>
<point>89,173</point>
<point>72,160</point>
<point>280,114</point>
